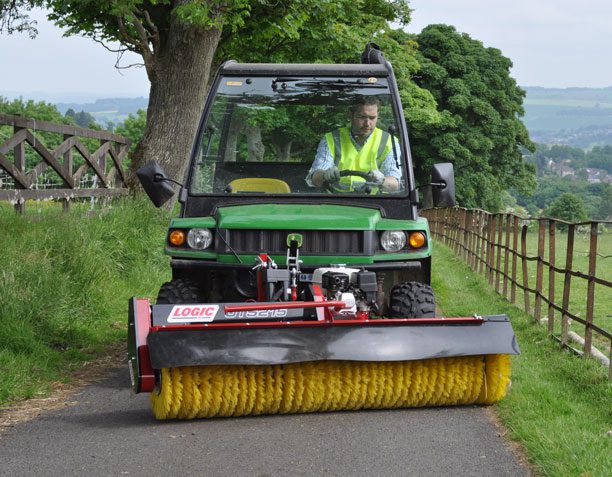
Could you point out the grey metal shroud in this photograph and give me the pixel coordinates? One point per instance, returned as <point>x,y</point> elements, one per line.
<point>257,346</point>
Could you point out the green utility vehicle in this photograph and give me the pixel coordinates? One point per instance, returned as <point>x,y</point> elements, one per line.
<point>269,162</point>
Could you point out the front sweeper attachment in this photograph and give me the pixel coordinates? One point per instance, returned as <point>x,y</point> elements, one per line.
<point>320,354</point>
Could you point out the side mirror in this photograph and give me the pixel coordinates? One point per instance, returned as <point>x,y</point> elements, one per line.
<point>155,183</point>
<point>443,185</point>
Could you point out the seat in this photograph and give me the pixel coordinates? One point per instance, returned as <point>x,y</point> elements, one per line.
<point>260,184</point>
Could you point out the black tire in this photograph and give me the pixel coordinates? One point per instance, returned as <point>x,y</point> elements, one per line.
<point>179,290</point>
<point>412,300</point>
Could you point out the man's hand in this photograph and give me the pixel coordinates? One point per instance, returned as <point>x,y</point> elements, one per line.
<point>376,177</point>
<point>331,175</point>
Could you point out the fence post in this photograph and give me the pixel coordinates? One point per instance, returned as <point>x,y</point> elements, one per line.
<point>490,248</point>
<point>471,241</point>
<point>551,275</point>
<point>569,257</point>
<point>498,248</point>
<point>20,163</point>
<point>515,227</point>
<point>588,332</point>
<point>537,313</point>
<point>506,255</point>
<point>68,168</point>
<point>524,264</point>
<point>455,232</point>
<point>482,253</point>
<point>465,251</point>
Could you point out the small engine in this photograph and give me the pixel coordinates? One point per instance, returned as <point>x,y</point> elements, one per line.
<point>357,288</point>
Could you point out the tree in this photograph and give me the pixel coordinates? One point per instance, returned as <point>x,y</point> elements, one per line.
<point>82,119</point>
<point>605,208</point>
<point>177,40</point>
<point>568,207</point>
<point>133,127</point>
<point>480,105</point>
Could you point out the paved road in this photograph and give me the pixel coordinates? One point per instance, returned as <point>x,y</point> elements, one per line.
<point>111,432</point>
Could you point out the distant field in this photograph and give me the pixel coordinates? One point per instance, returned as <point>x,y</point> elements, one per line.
<point>548,117</point>
<point>576,103</point>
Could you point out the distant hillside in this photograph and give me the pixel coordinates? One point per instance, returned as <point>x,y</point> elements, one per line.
<point>107,110</point>
<point>579,117</point>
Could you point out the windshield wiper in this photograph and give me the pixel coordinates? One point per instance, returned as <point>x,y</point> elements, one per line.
<point>341,83</point>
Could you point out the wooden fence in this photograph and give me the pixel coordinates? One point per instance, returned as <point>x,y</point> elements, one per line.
<point>26,156</point>
<point>496,245</point>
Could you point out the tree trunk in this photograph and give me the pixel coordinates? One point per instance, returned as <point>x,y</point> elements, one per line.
<point>231,143</point>
<point>179,74</point>
<point>255,144</point>
<point>282,150</point>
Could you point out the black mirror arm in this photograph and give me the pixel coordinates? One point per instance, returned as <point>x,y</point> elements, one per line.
<point>437,185</point>
<point>161,178</point>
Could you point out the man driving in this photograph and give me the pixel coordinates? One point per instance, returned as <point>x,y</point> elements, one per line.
<point>362,147</point>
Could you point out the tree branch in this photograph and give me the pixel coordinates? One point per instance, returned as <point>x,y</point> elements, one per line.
<point>155,36</point>
<point>141,44</point>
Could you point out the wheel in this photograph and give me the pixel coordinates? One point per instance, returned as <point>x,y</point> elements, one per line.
<point>412,300</point>
<point>179,290</point>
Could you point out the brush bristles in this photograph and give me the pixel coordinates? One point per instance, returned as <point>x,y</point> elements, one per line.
<point>237,390</point>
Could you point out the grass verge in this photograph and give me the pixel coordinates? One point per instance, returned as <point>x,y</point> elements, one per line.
<point>65,281</point>
<point>559,406</point>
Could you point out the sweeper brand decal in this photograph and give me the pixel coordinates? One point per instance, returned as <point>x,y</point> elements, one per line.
<point>193,313</point>
<point>257,314</point>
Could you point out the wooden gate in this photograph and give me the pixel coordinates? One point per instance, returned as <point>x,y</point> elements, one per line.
<point>40,149</point>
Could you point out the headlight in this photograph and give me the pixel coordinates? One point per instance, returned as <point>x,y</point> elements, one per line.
<point>393,240</point>
<point>199,239</point>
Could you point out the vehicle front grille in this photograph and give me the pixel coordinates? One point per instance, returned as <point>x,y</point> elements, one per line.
<point>316,242</point>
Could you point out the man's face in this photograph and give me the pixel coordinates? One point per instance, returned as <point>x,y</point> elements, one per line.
<point>363,120</point>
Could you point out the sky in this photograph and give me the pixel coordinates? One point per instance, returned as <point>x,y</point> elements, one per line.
<point>552,43</point>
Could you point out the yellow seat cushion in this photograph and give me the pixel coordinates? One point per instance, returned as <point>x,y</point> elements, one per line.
<point>260,184</point>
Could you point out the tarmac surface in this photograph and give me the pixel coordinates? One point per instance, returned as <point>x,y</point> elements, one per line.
<point>110,431</point>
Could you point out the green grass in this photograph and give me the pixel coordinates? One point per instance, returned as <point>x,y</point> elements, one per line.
<point>65,280</point>
<point>559,406</point>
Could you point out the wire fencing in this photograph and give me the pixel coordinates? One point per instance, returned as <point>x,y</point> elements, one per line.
<point>555,269</point>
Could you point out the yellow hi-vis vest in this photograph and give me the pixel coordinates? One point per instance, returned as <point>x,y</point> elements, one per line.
<point>347,157</point>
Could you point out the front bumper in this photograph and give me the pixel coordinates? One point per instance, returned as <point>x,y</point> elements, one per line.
<point>185,264</point>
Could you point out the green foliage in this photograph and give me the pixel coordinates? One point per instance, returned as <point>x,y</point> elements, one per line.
<point>40,110</point>
<point>65,282</point>
<point>322,31</point>
<point>133,127</point>
<point>568,207</point>
<point>333,32</point>
<point>480,105</point>
<point>596,197</point>
<point>82,119</point>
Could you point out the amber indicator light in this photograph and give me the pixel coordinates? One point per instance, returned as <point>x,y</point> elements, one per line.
<point>417,239</point>
<point>177,237</point>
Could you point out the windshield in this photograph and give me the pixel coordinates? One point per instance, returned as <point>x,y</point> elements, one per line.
<point>300,135</point>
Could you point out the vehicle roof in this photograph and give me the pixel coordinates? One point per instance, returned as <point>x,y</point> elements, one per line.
<point>233,68</point>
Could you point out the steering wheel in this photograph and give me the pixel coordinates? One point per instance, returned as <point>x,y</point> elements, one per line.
<point>329,186</point>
